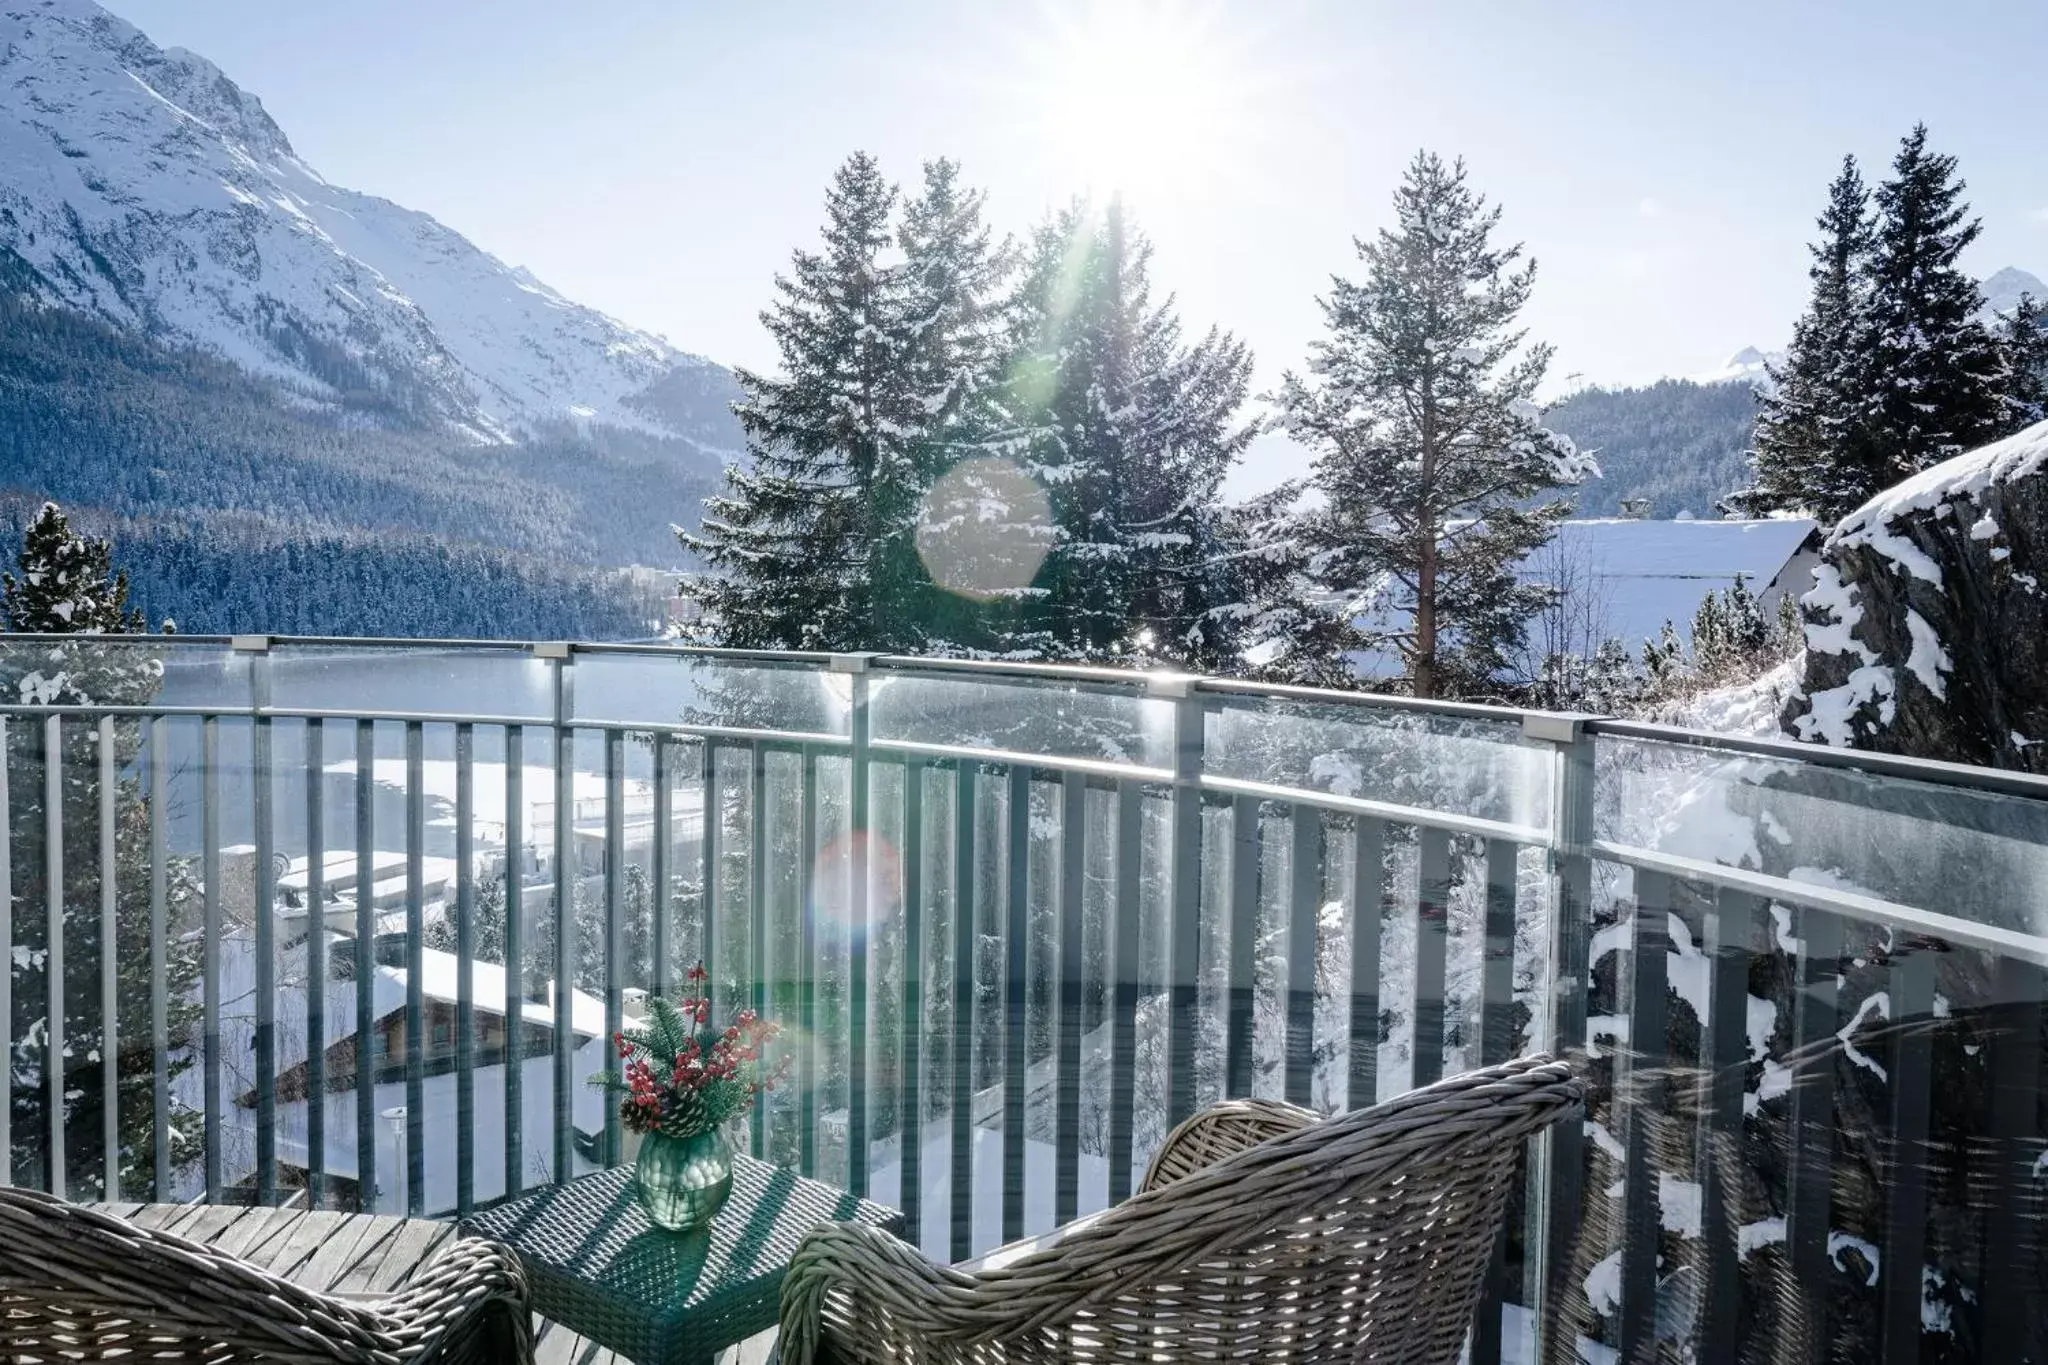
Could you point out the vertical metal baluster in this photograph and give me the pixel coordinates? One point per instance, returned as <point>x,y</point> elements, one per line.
<point>910,1189</point>
<point>1557,1174</point>
<point>810,1049</point>
<point>757,914</point>
<point>1067,1116</point>
<point>515,959</point>
<point>1368,920</point>
<point>1305,896</point>
<point>1124,974</point>
<point>1638,1069</point>
<point>415,969</point>
<point>1246,845</point>
<point>1496,1044</point>
<point>7,957</point>
<point>964,929</point>
<point>2015,1315</point>
<point>663,983</point>
<point>1184,940</point>
<point>614,928</point>
<point>367,1023</point>
<point>465,969</point>
<point>564,910</point>
<point>1016,964</point>
<point>858,832</point>
<point>316,965</point>
<point>110,952</point>
<point>1432,948</point>
<point>158,745</point>
<point>53,961</point>
<point>1725,1045</point>
<point>1905,1176</point>
<point>1816,1015</point>
<point>263,912</point>
<point>712,832</point>
<point>209,950</point>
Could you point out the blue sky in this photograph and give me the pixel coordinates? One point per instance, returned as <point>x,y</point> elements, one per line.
<point>659,158</point>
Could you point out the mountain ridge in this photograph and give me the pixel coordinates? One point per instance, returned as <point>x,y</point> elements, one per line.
<point>144,186</point>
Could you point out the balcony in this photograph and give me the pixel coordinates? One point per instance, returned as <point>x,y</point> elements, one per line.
<point>1019,921</point>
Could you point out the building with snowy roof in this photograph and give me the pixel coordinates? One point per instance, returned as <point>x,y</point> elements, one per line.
<point>1628,577</point>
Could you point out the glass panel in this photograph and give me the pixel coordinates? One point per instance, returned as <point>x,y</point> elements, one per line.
<point>445,680</point>
<point>1024,715</point>
<point>663,688</point>
<point>1461,765</point>
<point>1979,856</point>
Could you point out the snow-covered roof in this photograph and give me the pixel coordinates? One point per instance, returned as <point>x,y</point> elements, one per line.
<point>1638,574</point>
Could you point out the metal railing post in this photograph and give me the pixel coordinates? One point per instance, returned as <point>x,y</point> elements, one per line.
<point>1190,727</point>
<point>560,660</point>
<point>263,916</point>
<point>1556,1174</point>
<point>855,667</point>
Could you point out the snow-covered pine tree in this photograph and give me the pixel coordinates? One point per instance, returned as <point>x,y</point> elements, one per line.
<point>811,544</point>
<point>1130,430</point>
<point>1941,374</point>
<point>955,340</point>
<point>2025,339</point>
<point>1419,410</point>
<point>65,584</point>
<point>1812,453</point>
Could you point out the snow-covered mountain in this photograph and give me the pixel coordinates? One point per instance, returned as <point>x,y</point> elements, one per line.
<point>143,186</point>
<point>2003,290</point>
<point>1747,365</point>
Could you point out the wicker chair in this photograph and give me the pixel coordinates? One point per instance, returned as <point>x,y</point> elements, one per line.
<point>79,1284</point>
<point>1260,1233</point>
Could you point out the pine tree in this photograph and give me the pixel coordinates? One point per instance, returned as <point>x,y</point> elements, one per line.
<point>811,543</point>
<point>1419,410</point>
<point>2025,339</point>
<point>1812,454</point>
<point>64,584</point>
<point>1940,374</point>
<point>954,344</point>
<point>1129,430</point>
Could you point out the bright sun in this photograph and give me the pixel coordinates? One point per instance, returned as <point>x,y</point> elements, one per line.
<point>1137,96</point>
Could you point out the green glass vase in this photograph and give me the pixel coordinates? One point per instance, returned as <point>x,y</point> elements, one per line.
<point>683,1181</point>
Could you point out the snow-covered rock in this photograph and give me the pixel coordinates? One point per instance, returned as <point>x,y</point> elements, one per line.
<point>1927,630</point>
<point>141,185</point>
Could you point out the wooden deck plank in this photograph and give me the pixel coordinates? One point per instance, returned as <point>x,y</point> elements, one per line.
<point>323,1270</point>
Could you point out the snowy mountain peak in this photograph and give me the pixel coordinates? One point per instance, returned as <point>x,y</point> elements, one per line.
<point>2003,290</point>
<point>142,185</point>
<point>1748,365</point>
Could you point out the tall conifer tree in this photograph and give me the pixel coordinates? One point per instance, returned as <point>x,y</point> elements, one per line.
<point>1129,429</point>
<point>1939,374</point>
<point>1812,452</point>
<point>803,546</point>
<point>1419,410</point>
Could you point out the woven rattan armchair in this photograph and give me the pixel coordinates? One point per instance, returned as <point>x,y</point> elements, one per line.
<point>79,1284</point>
<point>1261,1233</point>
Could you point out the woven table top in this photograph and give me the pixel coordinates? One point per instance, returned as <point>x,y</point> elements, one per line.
<point>599,1266</point>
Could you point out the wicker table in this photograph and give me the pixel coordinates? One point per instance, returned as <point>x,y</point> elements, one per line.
<point>599,1267</point>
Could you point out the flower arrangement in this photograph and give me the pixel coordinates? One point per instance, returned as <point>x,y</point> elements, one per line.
<point>681,1076</point>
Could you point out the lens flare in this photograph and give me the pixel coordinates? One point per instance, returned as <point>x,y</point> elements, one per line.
<point>984,529</point>
<point>838,863</point>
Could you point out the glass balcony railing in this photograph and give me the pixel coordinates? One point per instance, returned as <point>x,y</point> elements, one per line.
<point>351,923</point>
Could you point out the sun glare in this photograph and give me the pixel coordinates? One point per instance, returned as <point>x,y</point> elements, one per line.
<point>1139,97</point>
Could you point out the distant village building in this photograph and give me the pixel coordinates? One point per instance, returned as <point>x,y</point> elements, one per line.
<point>1634,575</point>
